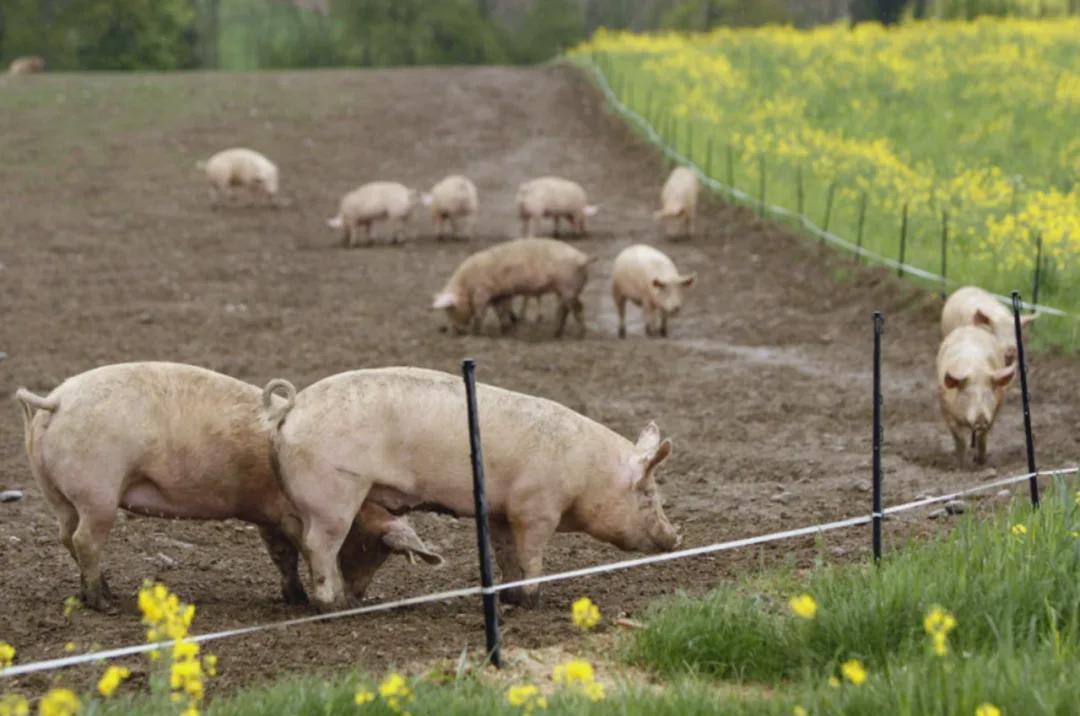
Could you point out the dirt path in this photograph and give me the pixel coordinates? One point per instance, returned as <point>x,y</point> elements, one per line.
<point>110,253</point>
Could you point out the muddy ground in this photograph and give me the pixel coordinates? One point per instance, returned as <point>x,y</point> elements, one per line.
<point>111,253</point>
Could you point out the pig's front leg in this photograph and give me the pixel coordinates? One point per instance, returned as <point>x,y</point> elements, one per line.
<point>980,446</point>
<point>530,538</point>
<point>502,541</point>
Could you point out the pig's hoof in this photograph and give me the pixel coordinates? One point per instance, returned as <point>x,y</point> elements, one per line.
<point>519,597</point>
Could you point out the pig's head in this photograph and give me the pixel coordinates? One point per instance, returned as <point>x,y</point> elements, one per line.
<point>668,293</point>
<point>632,517</point>
<point>978,395</point>
<point>457,309</point>
<point>1004,331</point>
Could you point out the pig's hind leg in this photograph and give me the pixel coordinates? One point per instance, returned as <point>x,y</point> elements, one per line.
<point>286,559</point>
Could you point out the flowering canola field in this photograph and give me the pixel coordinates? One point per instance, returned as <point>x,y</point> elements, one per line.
<point>974,120</point>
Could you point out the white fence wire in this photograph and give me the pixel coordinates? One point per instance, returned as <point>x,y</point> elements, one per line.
<point>812,530</point>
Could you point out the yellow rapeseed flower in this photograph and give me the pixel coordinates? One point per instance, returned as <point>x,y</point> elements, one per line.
<point>210,664</point>
<point>799,711</point>
<point>987,710</point>
<point>527,697</point>
<point>1019,530</point>
<point>59,702</point>
<point>7,655</point>
<point>573,672</point>
<point>853,671</point>
<point>395,691</point>
<point>111,680</point>
<point>586,615</point>
<point>363,696</point>
<point>803,605</point>
<point>71,604</point>
<point>938,623</point>
<point>70,647</point>
<point>14,705</point>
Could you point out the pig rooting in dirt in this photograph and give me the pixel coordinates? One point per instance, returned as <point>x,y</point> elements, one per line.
<point>240,168</point>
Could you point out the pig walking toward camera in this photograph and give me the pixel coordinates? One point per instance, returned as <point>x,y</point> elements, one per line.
<point>454,201</point>
<point>971,381</point>
<point>398,437</point>
<point>648,278</point>
<point>972,306</point>
<point>523,267</point>
<point>678,199</point>
<point>553,198</point>
<point>240,168</point>
<point>176,441</point>
<point>373,202</point>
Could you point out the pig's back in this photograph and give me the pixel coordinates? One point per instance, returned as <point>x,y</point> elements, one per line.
<point>638,265</point>
<point>959,309</point>
<point>969,347</point>
<point>680,186</point>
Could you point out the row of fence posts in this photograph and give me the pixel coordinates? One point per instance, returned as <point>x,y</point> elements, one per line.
<point>666,125</point>
<point>483,536</point>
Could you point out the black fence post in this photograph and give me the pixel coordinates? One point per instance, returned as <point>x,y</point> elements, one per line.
<point>828,211</point>
<point>483,542</point>
<point>944,253</point>
<point>861,227</point>
<point>1033,481</point>
<point>903,241</point>
<point>1035,279</point>
<point>876,513</point>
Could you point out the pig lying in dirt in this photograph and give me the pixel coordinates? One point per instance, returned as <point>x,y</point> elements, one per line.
<point>397,437</point>
<point>27,65</point>
<point>372,202</point>
<point>453,200</point>
<point>523,267</point>
<point>972,306</point>
<point>971,381</point>
<point>554,198</point>
<point>648,278</point>
<point>678,199</point>
<point>240,168</point>
<point>171,440</point>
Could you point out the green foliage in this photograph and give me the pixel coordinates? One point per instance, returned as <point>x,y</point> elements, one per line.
<point>700,15</point>
<point>550,27</point>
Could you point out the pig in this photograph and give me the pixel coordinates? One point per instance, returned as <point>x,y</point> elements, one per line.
<point>678,199</point>
<point>240,168</point>
<point>453,200</point>
<point>522,267</point>
<point>27,65</point>
<point>554,198</point>
<point>371,202</point>
<point>971,381</point>
<point>973,306</point>
<point>648,278</point>
<point>398,437</point>
<point>172,440</point>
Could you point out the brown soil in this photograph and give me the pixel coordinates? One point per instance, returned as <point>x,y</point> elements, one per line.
<point>111,253</point>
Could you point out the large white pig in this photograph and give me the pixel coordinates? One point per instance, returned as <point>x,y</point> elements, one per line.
<point>453,200</point>
<point>240,168</point>
<point>522,267</point>
<point>373,202</point>
<point>648,278</point>
<point>553,198</point>
<point>678,199</point>
<point>971,381</point>
<point>972,306</point>
<point>27,65</point>
<point>398,437</point>
<point>172,440</point>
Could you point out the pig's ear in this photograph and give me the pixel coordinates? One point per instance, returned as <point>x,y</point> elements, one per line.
<point>444,300</point>
<point>980,318</point>
<point>649,439</point>
<point>953,381</point>
<point>1024,320</point>
<point>688,281</point>
<point>1004,376</point>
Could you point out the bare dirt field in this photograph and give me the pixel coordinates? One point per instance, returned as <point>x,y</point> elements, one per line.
<point>111,253</point>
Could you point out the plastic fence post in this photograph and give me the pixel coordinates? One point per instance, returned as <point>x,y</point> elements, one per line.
<point>861,226</point>
<point>761,185</point>
<point>483,541</point>
<point>708,157</point>
<point>944,253</point>
<point>828,210</point>
<point>1033,483</point>
<point>903,241</point>
<point>1038,268</point>
<point>876,513</point>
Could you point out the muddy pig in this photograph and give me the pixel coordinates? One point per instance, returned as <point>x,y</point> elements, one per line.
<point>397,437</point>
<point>971,381</point>
<point>554,198</point>
<point>373,202</point>
<point>972,306</point>
<point>648,278</point>
<point>27,65</point>
<point>522,267</point>
<point>171,440</point>
<point>453,200</point>
<point>240,168</point>
<point>678,199</point>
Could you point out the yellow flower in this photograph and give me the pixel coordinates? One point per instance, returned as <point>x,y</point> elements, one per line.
<point>799,711</point>
<point>71,603</point>
<point>7,655</point>
<point>987,710</point>
<point>191,710</point>
<point>527,697</point>
<point>803,605</point>
<point>70,647</point>
<point>210,664</point>
<point>363,696</point>
<point>59,702</point>
<point>14,705</point>
<point>573,672</point>
<point>184,650</point>
<point>395,692</point>
<point>586,615</point>
<point>1019,530</point>
<point>111,680</point>
<point>938,623</point>
<point>594,691</point>
<point>853,671</point>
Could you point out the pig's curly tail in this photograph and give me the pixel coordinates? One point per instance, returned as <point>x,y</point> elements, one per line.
<point>274,414</point>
